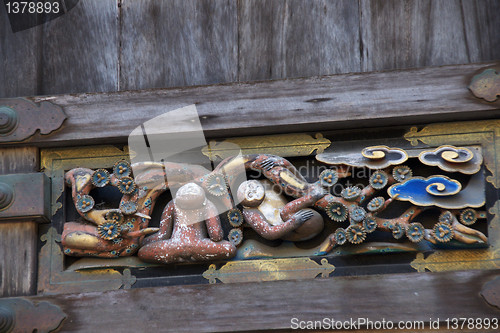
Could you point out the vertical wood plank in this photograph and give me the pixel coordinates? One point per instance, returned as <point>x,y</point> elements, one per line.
<point>20,59</point>
<point>18,258</point>
<point>294,38</point>
<point>404,34</point>
<point>260,44</point>
<point>18,240</point>
<point>18,160</point>
<point>482,29</point>
<point>80,49</point>
<point>178,43</point>
<point>321,37</point>
<point>338,43</point>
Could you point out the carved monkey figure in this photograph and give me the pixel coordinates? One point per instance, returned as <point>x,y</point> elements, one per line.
<point>267,212</point>
<point>190,230</point>
<point>106,233</point>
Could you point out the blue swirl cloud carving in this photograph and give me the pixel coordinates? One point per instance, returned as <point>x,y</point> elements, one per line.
<point>438,190</point>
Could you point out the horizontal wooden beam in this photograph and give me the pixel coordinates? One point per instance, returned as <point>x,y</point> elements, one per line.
<point>308,104</point>
<point>272,305</point>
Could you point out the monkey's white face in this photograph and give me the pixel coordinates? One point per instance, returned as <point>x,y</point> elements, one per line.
<point>254,191</point>
<point>251,193</point>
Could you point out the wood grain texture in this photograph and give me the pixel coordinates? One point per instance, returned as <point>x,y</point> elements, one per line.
<point>18,240</point>
<point>18,258</point>
<point>177,43</point>
<point>282,106</point>
<point>18,160</point>
<point>295,38</point>
<point>116,45</point>
<point>80,49</point>
<point>260,42</point>
<point>20,60</point>
<point>482,26</point>
<point>271,305</point>
<point>405,34</point>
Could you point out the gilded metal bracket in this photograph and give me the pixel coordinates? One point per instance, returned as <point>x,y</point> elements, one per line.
<point>20,315</point>
<point>268,270</point>
<point>284,145</point>
<point>486,85</point>
<point>25,197</point>
<point>21,118</point>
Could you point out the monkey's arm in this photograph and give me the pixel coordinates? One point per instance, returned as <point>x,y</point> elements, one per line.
<point>258,222</point>
<point>214,228</point>
<point>306,201</point>
<point>166,225</point>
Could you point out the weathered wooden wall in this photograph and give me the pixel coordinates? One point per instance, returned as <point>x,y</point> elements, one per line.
<point>18,240</point>
<point>113,45</point>
<point>267,306</point>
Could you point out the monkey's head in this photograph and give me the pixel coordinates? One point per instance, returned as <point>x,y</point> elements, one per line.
<point>251,193</point>
<point>190,196</point>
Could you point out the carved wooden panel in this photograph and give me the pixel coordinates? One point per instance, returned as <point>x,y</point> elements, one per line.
<point>308,206</point>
